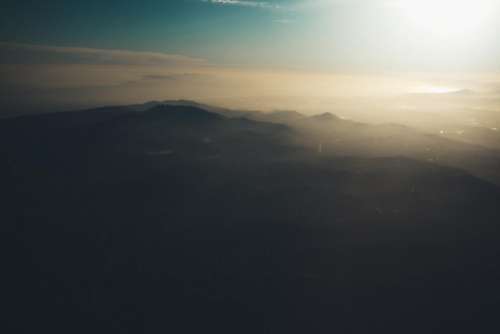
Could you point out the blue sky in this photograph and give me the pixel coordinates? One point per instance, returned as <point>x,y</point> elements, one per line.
<point>316,34</point>
<point>190,26</point>
<point>222,32</point>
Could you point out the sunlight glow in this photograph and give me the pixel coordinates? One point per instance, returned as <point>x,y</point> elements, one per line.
<point>448,18</point>
<point>435,90</point>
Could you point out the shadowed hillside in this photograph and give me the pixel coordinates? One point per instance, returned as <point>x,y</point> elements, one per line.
<point>178,218</point>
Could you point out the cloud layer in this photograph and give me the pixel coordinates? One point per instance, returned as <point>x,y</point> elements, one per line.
<point>14,53</point>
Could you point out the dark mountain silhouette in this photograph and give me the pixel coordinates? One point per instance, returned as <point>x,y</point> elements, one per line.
<point>173,218</point>
<point>278,116</point>
<point>182,114</point>
<point>221,111</point>
<point>326,117</point>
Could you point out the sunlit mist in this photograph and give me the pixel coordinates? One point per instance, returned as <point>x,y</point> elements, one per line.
<point>435,90</point>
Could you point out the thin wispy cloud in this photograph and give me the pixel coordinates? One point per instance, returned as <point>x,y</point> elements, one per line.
<point>300,5</point>
<point>283,21</point>
<point>12,53</point>
<point>244,3</point>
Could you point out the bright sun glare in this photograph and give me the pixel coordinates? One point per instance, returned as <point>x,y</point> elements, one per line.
<point>447,18</point>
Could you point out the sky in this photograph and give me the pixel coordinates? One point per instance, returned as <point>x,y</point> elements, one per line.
<point>72,53</point>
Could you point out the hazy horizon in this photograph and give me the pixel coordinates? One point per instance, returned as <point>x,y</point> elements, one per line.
<point>248,54</point>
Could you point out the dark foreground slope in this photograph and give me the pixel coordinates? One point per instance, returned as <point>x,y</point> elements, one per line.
<point>175,219</point>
